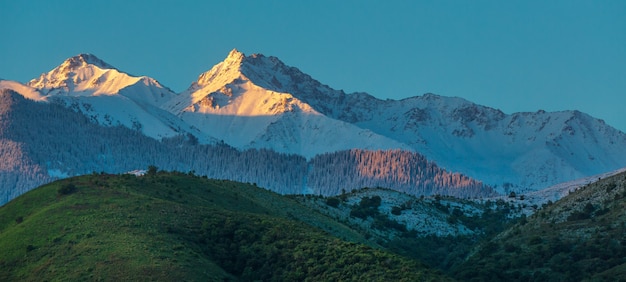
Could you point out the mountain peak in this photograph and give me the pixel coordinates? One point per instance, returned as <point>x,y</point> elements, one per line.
<point>83,60</point>
<point>87,75</point>
<point>224,72</point>
<point>235,56</point>
<point>72,72</point>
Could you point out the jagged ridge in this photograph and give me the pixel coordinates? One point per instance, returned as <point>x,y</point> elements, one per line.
<point>260,102</point>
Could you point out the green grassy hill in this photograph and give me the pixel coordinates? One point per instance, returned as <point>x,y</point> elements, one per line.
<point>580,237</point>
<point>173,226</point>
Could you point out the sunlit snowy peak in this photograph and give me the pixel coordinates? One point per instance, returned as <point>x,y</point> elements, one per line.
<point>249,102</point>
<point>87,75</point>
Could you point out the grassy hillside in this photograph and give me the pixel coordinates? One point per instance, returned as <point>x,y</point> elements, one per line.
<point>580,237</point>
<point>172,226</point>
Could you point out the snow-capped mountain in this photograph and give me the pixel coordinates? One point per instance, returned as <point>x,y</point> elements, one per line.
<point>228,104</point>
<point>519,151</point>
<point>111,97</point>
<point>258,101</point>
<point>87,75</point>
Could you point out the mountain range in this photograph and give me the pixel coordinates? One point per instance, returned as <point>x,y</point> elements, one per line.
<point>257,102</point>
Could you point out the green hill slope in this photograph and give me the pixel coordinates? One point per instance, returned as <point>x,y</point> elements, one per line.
<point>580,237</point>
<point>172,226</point>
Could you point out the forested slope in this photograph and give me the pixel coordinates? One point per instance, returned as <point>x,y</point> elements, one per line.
<point>580,237</point>
<point>43,141</point>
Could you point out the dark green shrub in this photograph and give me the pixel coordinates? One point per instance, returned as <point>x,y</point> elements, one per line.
<point>370,202</point>
<point>67,189</point>
<point>152,170</point>
<point>382,222</point>
<point>360,213</point>
<point>368,207</point>
<point>582,215</point>
<point>396,210</point>
<point>333,202</point>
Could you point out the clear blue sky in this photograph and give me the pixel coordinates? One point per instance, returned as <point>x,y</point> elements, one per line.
<point>510,55</point>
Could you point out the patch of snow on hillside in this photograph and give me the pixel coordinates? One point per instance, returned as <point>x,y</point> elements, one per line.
<point>530,202</point>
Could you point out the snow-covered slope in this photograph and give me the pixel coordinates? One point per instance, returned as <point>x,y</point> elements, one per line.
<point>24,90</point>
<point>228,105</point>
<point>258,101</point>
<point>559,191</point>
<point>87,75</point>
<point>522,151</point>
<point>111,97</point>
